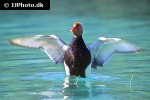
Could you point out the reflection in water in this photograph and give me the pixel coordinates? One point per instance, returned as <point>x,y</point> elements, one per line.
<point>76,88</point>
<point>126,19</point>
<point>73,88</point>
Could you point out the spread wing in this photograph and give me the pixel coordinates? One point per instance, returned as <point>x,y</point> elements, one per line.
<point>104,48</point>
<point>53,46</point>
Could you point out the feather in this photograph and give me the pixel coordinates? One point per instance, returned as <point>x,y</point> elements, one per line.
<point>53,46</point>
<point>104,48</point>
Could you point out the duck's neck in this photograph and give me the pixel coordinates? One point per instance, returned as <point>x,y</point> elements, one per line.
<point>77,41</point>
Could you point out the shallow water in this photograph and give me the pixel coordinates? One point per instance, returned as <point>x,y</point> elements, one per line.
<point>28,74</point>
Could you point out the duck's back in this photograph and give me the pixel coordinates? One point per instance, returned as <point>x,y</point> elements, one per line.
<point>77,57</point>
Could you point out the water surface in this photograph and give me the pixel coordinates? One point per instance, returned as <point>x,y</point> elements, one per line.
<point>28,74</point>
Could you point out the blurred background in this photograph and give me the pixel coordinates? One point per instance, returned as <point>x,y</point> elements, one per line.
<point>28,74</point>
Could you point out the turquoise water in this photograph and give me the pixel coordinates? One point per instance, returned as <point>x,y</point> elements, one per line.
<point>28,74</point>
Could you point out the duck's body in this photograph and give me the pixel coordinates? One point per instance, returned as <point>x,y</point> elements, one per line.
<point>77,57</point>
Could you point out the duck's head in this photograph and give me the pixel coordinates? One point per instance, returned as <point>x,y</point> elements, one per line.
<point>77,29</point>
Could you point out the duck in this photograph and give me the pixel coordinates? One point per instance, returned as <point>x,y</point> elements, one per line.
<point>78,58</point>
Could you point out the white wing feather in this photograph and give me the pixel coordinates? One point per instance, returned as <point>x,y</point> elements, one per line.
<point>53,46</point>
<point>104,48</point>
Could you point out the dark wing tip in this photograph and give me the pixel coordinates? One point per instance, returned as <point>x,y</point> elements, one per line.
<point>140,50</point>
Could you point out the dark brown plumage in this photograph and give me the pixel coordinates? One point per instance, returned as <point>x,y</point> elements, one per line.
<point>77,57</point>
